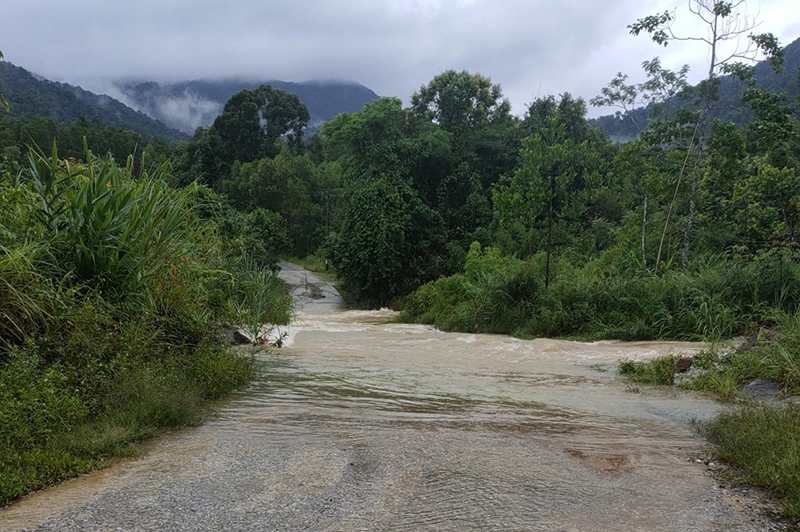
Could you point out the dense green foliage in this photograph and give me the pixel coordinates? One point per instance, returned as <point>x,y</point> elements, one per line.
<point>112,292</point>
<point>712,299</point>
<point>17,134</point>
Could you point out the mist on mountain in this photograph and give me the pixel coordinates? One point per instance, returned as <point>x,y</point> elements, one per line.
<point>188,105</point>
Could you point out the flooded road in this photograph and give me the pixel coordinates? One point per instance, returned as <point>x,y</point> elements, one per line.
<point>358,424</point>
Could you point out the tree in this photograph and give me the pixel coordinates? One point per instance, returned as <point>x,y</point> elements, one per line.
<point>657,95</point>
<point>561,163</point>
<point>469,113</point>
<point>725,21</point>
<point>252,125</point>
<point>388,240</point>
<point>459,101</point>
<point>3,101</point>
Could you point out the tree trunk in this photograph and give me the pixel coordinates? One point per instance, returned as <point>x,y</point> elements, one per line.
<point>549,236</point>
<point>644,232</point>
<point>687,235</point>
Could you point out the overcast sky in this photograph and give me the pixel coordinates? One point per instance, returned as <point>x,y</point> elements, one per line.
<point>529,47</point>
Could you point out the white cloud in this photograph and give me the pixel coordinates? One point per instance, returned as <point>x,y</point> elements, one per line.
<point>530,47</point>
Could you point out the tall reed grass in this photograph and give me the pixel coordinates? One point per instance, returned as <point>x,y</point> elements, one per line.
<point>111,292</point>
<point>496,294</point>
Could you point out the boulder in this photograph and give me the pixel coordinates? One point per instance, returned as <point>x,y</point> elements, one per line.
<point>238,336</point>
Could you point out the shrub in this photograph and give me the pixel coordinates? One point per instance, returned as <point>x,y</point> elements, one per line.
<point>111,231</point>
<point>659,371</point>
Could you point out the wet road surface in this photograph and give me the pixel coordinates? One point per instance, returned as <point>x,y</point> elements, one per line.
<point>359,424</point>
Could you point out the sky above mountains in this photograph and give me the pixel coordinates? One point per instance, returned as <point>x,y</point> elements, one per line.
<point>530,47</point>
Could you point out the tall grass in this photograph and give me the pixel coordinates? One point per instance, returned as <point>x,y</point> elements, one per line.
<point>26,295</point>
<point>763,444</point>
<point>111,230</point>
<point>108,322</point>
<point>719,299</point>
<point>260,301</point>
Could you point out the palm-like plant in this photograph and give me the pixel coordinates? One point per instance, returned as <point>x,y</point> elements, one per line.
<point>115,232</point>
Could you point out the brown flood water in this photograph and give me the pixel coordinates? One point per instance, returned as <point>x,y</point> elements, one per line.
<point>359,425</point>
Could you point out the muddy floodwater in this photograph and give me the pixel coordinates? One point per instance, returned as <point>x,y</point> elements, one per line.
<point>358,424</point>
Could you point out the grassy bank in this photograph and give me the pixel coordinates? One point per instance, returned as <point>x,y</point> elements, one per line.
<point>712,299</point>
<point>760,441</point>
<point>762,444</point>
<point>113,289</point>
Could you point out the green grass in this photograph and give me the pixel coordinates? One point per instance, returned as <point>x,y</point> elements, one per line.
<point>659,371</point>
<point>52,431</point>
<point>763,444</point>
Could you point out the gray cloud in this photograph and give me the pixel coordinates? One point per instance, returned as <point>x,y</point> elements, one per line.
<point>530,47</point>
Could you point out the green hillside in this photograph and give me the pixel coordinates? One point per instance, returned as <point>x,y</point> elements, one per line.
<point>30,96</point>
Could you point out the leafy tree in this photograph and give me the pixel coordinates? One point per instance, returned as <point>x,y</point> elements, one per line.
<point>237,133</point>
<point>459,101</point>
<point>724,21</point>
<point>478,116</point>
<point>253,124</point>
<point>560,166</point>
<point>287,185</point>
<point>388,240</point>
<point>658,95</point>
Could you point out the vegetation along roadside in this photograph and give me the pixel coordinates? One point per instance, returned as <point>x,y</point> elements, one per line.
<point>112,293</point>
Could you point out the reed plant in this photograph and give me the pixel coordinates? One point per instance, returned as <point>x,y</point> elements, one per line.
<point>112,287</point>
<point>712,301</point>
<point>259,301</point>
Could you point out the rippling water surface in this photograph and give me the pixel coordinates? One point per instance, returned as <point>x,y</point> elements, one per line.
<point>362,424</point>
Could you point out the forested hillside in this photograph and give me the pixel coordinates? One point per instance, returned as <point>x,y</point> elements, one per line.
<point>29,96</point>
<point>188,105</point>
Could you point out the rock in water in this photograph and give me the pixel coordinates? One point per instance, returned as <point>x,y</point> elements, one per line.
<point>683,364</point>
<point>237,336</point>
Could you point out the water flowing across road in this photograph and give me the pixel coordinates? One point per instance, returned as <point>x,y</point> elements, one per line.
<point>360,424</point>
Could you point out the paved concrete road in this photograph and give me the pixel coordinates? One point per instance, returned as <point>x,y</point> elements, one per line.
<point>311,292</point>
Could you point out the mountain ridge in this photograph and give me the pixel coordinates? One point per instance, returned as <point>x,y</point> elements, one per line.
<point>186,105</point>
<point>172,111</point>
<point>30,95</point>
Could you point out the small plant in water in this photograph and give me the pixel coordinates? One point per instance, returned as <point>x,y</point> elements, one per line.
<point>660,370</point>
